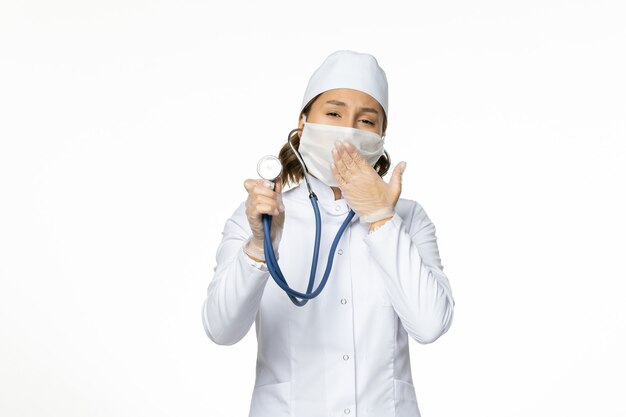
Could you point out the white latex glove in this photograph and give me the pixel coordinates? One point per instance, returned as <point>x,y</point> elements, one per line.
<point>262,200</point>
<point>365,191</point>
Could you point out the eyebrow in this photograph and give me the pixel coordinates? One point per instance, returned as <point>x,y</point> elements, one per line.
<point>341,103</point>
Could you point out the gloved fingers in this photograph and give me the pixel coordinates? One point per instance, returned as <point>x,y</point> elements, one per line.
<point>249,184</point>
<point>340,166</point>
<point>346,163</point>
<point>350,162</point>
<point>353,156</point>
<point>266,209</point>
<point>259,187</point>
<point>262,205</point>
<point>264,191</point>
<point>267,205</point>
<point>338,176</point>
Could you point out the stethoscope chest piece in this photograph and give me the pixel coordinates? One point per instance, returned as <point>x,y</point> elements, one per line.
<point>269,168</point>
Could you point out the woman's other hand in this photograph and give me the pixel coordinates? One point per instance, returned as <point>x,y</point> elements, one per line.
<point>262,200</point>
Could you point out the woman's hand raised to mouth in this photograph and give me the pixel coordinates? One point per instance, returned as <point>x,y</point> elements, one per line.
<point>365,191</point>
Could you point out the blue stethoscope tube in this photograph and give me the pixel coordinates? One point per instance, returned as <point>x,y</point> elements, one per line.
<point>270,256</point>
<point>274,269</point>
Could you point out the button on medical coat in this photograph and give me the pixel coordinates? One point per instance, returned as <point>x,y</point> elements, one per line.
<point>345,353</point>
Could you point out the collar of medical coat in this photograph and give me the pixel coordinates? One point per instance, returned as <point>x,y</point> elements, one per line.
<point>325,197</point>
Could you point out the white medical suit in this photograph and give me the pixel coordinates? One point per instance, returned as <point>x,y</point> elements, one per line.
<point>345,353</point>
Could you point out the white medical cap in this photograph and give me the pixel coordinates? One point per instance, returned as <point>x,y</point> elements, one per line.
<point>349,69</point>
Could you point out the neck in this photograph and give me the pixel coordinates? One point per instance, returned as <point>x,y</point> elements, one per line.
<point>337,192</point>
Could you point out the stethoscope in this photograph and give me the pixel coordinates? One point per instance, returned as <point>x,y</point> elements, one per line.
<point>270,168</point>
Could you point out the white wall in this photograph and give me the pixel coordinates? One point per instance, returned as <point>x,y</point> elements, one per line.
<point>122,129</point>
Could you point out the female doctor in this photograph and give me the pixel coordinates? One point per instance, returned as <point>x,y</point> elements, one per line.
<point>345,352</point>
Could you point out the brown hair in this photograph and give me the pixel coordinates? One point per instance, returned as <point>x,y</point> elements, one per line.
<point>292,170</point>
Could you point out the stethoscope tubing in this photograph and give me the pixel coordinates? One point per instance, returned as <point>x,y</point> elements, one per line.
<point>274,268</point>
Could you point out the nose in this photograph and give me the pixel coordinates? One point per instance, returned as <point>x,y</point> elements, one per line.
<point>350,120</point>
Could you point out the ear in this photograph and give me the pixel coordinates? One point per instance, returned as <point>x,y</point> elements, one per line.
<point>301,122</point>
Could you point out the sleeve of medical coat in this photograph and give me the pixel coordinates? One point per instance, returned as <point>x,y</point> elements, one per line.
<point>234,294</point>
<point>406,251</point>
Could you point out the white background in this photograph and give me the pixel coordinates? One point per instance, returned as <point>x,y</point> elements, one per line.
<point>128,127</point>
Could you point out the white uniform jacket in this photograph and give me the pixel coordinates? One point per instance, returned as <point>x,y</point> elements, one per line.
<point>345,353</point>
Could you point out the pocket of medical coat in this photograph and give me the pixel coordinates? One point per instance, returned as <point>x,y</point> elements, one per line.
<point>406,401</point>
<point>271,400</point>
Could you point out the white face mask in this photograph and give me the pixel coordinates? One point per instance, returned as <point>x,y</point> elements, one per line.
<point>318,140</point>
